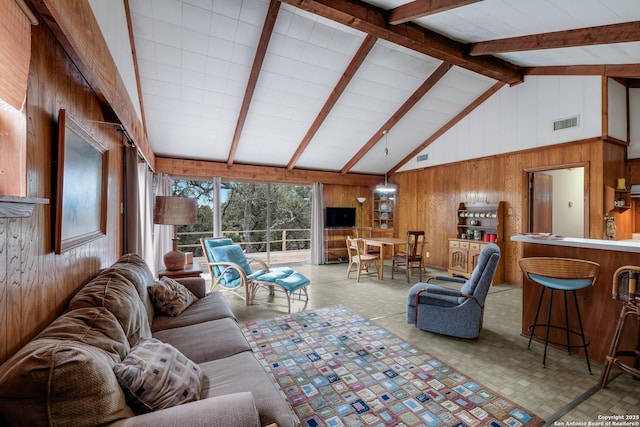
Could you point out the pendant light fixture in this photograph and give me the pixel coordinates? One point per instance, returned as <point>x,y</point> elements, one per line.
<point>386,187</point>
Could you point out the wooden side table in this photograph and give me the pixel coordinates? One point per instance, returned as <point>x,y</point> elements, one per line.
<point>191,270</point>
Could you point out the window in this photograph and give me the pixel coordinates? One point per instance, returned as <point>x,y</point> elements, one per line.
<point>264,218</point>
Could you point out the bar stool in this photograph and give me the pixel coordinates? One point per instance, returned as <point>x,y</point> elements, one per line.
<point>625,289</point>
<point>566,275</point>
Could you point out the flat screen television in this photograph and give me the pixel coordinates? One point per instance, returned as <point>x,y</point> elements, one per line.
<point>340,217</point>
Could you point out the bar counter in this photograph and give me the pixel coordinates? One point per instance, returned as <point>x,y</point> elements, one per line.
<point>599,311</point>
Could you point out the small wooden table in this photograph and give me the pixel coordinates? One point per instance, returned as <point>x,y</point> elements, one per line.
<point>381,242</point>
<point>191,270</point>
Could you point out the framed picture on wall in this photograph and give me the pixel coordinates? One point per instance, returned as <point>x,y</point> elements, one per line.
<point>81,191</point>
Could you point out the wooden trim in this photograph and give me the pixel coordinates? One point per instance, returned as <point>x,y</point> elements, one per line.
<point>254,173</point>
<point>373,20</point>
<point>425,87</point>
<point>261,51</point>
<point>136,69</point>
<point>19,207</point>
<point>611,70</point>
<point>421,8</point>
<point>613,140</point>
<point>604,82</point>
<point>337,91</point>
<point>604,34</point>
<point>479,100</point>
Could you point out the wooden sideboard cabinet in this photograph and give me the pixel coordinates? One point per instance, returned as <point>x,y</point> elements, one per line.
<point>481,220</point>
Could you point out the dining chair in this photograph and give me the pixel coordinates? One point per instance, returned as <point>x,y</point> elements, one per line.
<point>411,257</point>
<point>365,233</point>
<point>361,260</point>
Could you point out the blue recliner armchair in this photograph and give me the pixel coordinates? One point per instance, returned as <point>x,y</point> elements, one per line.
<point>451,312</point>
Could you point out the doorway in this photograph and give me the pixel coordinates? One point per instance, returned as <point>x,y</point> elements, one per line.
<point>558,200</point>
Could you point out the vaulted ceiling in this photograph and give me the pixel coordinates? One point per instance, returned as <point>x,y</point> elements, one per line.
<point>314,84</point>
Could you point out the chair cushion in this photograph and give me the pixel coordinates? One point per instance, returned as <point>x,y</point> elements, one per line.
<point>231,253</point>
<point>155,375</point>
<point>293,282</point>
<point>214,243</point>
<point>275,274</point>
<point>560,284</point>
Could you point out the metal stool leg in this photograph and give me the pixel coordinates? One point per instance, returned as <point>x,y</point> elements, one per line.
<point>546,337</point>
<point>535,319</point>
<point>585,343</point>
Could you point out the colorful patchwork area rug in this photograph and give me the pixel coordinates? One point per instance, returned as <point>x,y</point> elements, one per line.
<point>339,369</point>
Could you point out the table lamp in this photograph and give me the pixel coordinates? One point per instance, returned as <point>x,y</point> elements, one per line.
<point>175,211</point>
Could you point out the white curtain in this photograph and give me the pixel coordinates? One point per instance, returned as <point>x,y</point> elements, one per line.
<point>317,225</point>
<point>145,195</point>
<point>217,201</point>
<point>162,234</point>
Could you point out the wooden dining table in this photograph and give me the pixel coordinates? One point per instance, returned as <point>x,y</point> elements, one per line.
<point>381,242</point>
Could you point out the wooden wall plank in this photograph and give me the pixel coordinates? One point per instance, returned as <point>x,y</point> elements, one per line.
<point>4,299</point>
<point>35,284</point>
<point>440,189</point>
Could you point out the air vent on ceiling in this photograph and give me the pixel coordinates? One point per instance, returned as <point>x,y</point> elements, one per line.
<point>570,122</point>
<point>422,157</point>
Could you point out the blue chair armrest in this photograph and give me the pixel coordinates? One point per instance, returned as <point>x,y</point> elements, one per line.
<point>448,279</point>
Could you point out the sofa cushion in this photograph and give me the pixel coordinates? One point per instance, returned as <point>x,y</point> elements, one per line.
<point>170,297</point>
<point>155,375</point>
<point>95,326</point>
<point>134,268</point>
<point>60,382</point>
<point>117,294</point>
<point>206,341</point>
<point>243,372</point>
<point>212,307</point>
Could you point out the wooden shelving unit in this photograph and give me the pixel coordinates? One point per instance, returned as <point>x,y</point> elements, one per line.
<point>478,224</point>
<point>616,199</point>
<point>383,210</point>
<point>335,244</point>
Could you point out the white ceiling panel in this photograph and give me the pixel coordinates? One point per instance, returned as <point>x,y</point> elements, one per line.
<point>195,58</point>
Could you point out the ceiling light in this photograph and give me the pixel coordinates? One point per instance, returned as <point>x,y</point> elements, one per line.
<point>386,187</point>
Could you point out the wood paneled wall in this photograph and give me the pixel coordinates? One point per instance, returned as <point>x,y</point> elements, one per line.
<point>428,198</point>
<point>346,196</point>
<point>36,284</point>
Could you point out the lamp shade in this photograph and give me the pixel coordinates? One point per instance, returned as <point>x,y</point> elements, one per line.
<point>386,187</point>
<point>175,210</point>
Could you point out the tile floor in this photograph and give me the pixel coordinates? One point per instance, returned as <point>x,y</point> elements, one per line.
<point>563,393</point>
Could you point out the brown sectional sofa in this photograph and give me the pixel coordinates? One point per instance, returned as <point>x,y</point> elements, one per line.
<point>65,376</point>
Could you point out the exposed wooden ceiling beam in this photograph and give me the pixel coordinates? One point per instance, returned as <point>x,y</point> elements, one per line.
<point>609,70</point>
<point>255,173</point>
<point>136,69</point>
<point>395,118</point>
<point>420,8</point>
<point>261,51</point>
<point>479,100</point>
<point>605,34</point>
<point>372,20</point>
<point>342,84</point>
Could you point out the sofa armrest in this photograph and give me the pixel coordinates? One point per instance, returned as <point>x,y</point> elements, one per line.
<point>197,285</point>
<point>235,409</point>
